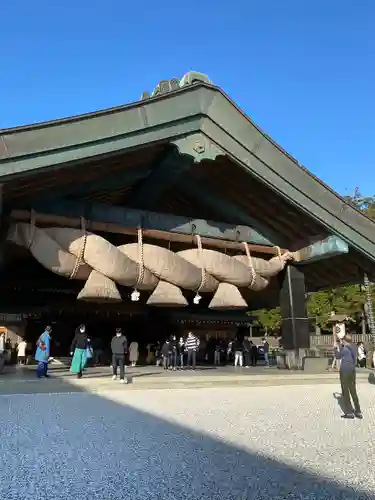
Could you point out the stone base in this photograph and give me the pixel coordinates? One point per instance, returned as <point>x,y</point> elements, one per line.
<point>293,358</point>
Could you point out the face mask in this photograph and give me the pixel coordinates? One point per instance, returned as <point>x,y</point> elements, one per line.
<point>118,334</point>
<point>82,330</point>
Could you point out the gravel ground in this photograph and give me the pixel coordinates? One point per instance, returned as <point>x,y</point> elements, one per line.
<point>227,443</point>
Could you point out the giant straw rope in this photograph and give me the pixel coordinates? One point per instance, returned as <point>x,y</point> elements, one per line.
<point>81,255</point>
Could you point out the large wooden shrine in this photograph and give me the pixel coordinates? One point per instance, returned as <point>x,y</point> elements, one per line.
<point>175,201</point>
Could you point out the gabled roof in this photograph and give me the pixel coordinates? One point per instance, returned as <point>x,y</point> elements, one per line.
<point>198,107</point>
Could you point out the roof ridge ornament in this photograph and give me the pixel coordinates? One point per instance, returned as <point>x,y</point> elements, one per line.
<point>165,86</point>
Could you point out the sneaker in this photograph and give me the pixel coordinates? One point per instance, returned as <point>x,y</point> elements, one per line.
<point>349,416</point>
<point>358,415</point>
<point>122,381</point>
<point>114,377</point>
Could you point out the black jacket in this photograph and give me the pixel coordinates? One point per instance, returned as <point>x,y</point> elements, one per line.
<point>165,349</point>
<point>119,345</point>
<point>237,346</point>
<point>79,341</point>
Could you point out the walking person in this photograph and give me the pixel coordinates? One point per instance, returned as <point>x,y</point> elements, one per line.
<point>158,355</point>
<point>192,346</point>
<point>78,350</point>
<point>133,353</point>
<point>238,352</point>
<point>119,347</point>
<point>21,352</point>
<point>347,354</point>
<point>165,354</point>
<point>42,353</point>
<point>266,352</point>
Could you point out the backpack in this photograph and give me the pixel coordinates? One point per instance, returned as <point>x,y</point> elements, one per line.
<point>41,344</point>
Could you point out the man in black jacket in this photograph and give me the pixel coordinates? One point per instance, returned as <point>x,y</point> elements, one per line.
<point>119,346</point>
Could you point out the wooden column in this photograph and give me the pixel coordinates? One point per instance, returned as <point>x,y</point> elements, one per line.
<point>295,325</point>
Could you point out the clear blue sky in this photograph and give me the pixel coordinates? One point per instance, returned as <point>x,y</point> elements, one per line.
<point>304,70</point>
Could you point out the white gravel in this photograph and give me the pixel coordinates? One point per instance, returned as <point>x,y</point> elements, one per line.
<point>227,443</point>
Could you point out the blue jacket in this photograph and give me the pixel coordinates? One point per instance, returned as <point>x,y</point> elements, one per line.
<point>42,355</point>
<point>347,353</point>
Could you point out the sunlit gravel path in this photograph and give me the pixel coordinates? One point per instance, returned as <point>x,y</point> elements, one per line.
<point>228,443</point>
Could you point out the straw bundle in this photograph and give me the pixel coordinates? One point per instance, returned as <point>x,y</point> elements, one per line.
<point>82,255</point>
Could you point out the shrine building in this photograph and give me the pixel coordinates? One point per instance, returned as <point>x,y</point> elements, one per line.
<point>169,210</point>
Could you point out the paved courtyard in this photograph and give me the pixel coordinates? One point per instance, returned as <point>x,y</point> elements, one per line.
<point>283,442</point>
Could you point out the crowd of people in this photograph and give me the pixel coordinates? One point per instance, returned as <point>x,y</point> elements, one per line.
<point>172,354</point>
<point>176,354</point>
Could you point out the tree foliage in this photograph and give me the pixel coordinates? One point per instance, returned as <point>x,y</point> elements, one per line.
<point>349,299</point>
<point>269,319</point>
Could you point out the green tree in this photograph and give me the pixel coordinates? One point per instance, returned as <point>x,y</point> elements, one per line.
<point>320,306</point>
<point>269,319</point>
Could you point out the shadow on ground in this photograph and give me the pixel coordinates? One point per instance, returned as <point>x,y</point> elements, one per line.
<point>86,447</point>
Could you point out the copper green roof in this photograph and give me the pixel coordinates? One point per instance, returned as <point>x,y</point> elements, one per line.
<point>173,112</point>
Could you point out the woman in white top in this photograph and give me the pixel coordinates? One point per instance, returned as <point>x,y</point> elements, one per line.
<point>361,355</point>
<point>133,353</point>
<point>21,352</point>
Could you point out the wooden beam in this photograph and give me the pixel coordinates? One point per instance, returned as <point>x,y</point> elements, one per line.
<point>322,249</point>
<point>75,222</point>
<point>130,217</point>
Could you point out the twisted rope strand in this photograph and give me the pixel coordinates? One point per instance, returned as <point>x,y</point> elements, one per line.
<point>203,269</point>
<point>81,257</point>
<point>140,263</point>
<point>250,260</point>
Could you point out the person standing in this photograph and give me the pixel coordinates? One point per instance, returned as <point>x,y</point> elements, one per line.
<point>217,353</point>
<point>78,350</point>
<point>133,353</point>
<point>21,352</point>
<point>119,347</point>
<point>192,346</point>
<point>347,354</point>
<point>266,352</point>
<point>361,355</point>
<point>180,352</point>
<point>165,354</point>
<point>172,353</point>
<point>253,353</point>
<point>246,351</point>
<point>2,351</point>
<point>238,352</point>
<point>42,353</point>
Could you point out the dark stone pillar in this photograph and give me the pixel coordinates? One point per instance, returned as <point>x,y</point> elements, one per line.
<point>295,325</point>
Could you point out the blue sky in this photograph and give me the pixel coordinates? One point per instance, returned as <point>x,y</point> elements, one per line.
<point>304,70</point>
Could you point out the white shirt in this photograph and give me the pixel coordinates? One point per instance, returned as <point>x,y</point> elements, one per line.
<point>361,352</point>
<point>2,343</point>
<point>21,349</point>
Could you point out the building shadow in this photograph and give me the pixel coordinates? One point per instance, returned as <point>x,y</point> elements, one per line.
<point>88,447</point>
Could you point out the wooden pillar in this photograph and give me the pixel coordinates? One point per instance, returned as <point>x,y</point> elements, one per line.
<point>295,325</point>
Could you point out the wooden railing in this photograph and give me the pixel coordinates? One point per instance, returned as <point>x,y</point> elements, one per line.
<point>327,340</point>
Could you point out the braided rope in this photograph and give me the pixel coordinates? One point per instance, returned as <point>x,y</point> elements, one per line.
<point>278,249</point>
<point>201,258</point>
<point>192,269</point>
<point>32,228</point>
<point>250,260</point>
<point>81,257</point>
<point>140,263</point>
